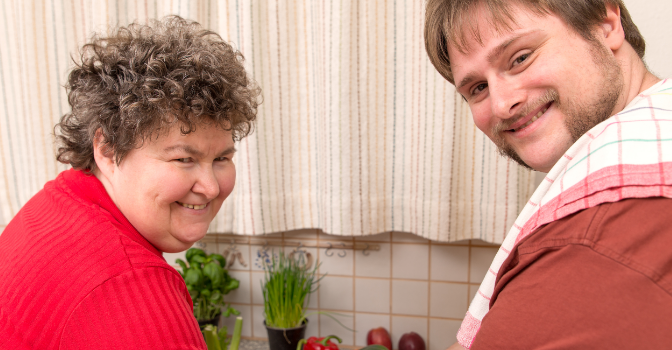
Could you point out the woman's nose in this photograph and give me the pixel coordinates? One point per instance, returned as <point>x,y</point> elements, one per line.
<point>206,183</point>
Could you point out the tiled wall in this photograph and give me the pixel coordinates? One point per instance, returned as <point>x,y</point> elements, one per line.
<point>411,284</point>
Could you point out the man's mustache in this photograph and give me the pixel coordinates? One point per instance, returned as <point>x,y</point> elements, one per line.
<point>551,95</point>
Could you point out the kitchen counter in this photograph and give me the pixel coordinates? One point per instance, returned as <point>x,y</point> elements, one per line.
<point>248,344</point>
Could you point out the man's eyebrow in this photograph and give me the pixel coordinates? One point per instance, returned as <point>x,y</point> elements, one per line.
<point>493,54</point>
<point>229,150</point>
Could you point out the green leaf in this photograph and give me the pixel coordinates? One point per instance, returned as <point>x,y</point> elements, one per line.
<point>231,285</point>
<point>193,277</point>
<point>214,272</point>
<point>223,340</point>
<point>215,297</point>
<point>194,252</point>
<point>197,259</point>
<point>220,258</point>
<point>182,264</point>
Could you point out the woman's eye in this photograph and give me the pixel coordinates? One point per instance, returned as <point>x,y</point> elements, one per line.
<point>520,59</point>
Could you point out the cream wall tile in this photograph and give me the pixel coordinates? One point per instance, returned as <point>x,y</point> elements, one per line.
<point>313,324</point>
<point>410,261</point>
<point>473,289</point>
<point>381,237</point>
<point>243,294</point>
<point>257,253</point>
<point>336,264</point>
<point>367,322</point>
<point>246,314</point>
<point>481,258</point>
<point>170,259</point>
<point>407,238</point>
<point>479,242</point>
<point>376,264</point>
<point>402,325</point>
<point>442,333</point>
<point>312,300</point>
<point>258,328</point>
<point>372,295</point>
<point>449,263</point>
<point>231,258</point>
<point>328,326</point>
<point>448,299</point>
<point>257,294</point>
<point>409,297</point>
<point>336,293</point>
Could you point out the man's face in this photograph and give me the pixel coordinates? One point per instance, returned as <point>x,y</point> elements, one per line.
<point>536,89</point>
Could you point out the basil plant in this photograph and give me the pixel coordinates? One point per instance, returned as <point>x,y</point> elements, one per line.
<point>208,281</point>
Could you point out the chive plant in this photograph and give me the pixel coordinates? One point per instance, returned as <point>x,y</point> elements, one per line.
<point>287,286</point>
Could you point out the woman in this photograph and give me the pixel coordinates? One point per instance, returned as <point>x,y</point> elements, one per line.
<point>155,112</point>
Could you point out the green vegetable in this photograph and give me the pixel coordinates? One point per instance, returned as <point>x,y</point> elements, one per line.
<point>207,281</point>
<point>218,341</point>
<point>237,330</point>
<point>374,347</point>
<point>286,288</point>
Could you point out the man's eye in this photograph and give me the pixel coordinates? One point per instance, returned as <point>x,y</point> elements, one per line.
<point>183,160</point>
<point>478,88</point>
<point>520,59</point>
<point>222,159</point>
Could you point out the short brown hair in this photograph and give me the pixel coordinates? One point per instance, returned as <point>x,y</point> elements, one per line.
<point>446,22</point>
<point>143,78</point>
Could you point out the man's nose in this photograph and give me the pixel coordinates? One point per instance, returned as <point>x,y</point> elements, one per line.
<point>206,183</point>
<point>507,98</point>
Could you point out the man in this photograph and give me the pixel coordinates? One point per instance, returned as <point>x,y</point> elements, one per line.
<point>560,87</point>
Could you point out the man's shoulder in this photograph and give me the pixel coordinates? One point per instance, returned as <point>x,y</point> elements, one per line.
<point>635,232</point>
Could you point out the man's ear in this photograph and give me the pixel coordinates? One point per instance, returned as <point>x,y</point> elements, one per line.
<point>611,28</point>
<point>103,156</point>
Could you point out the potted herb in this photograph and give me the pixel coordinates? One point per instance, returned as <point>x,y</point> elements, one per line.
<point>286,287</point>
<point>208,281</point>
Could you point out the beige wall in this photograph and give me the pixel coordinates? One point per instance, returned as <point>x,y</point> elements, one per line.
<point>411,284</point>
<point>652,17</point>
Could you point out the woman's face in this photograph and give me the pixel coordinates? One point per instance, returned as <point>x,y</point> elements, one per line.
<point>171,188</point>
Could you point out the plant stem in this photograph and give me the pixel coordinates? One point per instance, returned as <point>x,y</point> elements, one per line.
<point>237,330</point>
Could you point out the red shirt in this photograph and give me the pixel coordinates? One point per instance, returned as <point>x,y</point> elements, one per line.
<point>75,274</point>
<point>597,279</point>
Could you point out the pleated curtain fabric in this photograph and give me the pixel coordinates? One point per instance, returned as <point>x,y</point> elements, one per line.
<point>357,135</point>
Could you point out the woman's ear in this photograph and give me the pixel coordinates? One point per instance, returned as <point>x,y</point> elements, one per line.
<point>611,28</point>
<point>103,156</point>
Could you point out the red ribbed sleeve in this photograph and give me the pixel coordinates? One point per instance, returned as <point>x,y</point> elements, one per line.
<point>139,309</point>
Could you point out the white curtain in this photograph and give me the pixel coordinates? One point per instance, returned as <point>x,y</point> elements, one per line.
<point>357,134</point>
